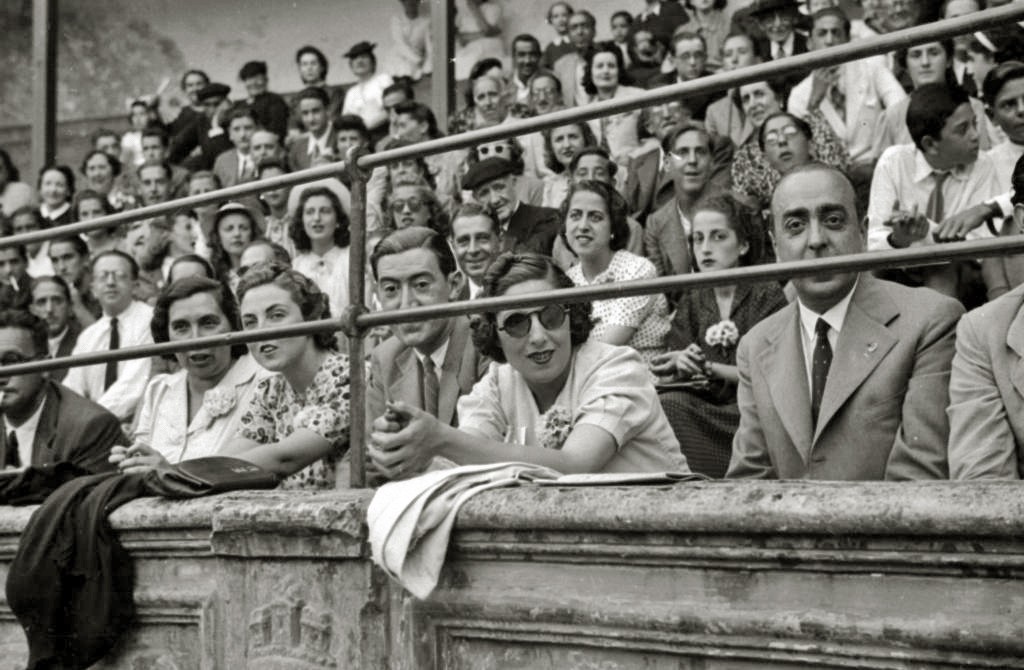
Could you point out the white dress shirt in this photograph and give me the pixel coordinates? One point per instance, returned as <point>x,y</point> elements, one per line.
<point>785,49</point>
<point>904,176</point>
<point>53,343</point>
<point>366,100</point>
<point>163,413</point>
<point>835,316</point>
<point>437,356</point>
<point>319,146</point>
<point>124,394</point>
<point>26,433</point>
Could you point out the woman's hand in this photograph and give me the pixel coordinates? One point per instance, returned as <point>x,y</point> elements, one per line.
<point>403,440</point>
<point>137,458</point>
<point>682,365</point>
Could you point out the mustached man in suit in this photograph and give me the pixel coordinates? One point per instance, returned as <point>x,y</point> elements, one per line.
<point>523,227</point>
<point>427,364</point>
<point>43,421</point>
<point>851,380</point>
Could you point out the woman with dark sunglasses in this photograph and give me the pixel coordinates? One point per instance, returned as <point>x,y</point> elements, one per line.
<point>553,397</point>
<point>412,202</point>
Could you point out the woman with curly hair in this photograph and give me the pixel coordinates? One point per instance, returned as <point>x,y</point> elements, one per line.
<point>560,146</point>
<point>233,228</point>
<point>413,203</point>
<point>594,228</point>
<point>553,396</point>
<point>320,232</point>
<point>605,78</point>
<point>701,367</point>
<point>297,422</point>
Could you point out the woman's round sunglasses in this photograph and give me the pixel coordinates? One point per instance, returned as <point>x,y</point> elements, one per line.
<point>518,324</point>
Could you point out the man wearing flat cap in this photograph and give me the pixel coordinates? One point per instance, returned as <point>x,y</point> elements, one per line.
<point>365,98</point>
<point>523,227</point>
<point>270,109</point>
<point>199,143</point>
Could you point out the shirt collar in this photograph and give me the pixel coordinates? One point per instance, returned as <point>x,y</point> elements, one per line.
<point>27,431</point>
<point>923,169</point>
<point>54,342</point>
<point>53,213</point>
<point>835,316</point>
<point>787,45</point>
<point>437,356</point>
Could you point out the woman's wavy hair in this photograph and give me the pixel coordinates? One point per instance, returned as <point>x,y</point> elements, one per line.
<point>115,164</point>
<point>604,48</point>
<point>69,178</point>
<point>438,218</point>
<point>743,220</point>
<point>509,269</point>
<point>589,139</point>
<point>297,231</point>
<point>618,210</point>
<point>313,303</point>
<point>219,258</point>
<point>193,258</point>
<point>186,287</point>
<point>421,163</point>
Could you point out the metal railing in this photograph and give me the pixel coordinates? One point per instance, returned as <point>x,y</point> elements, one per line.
<point>356,321</point>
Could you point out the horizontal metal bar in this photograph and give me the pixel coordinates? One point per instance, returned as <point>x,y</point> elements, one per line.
<point>875,260</point>
<point>710,84</point>
<point>930,32</point>
<point>170,207</point>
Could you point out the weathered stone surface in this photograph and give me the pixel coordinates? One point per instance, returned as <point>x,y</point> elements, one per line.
<point>711,575</point>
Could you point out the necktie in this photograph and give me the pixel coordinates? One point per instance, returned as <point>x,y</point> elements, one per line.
<point>936,203</point>
<point>821,360</point>
<point>110,375</point>
<point>431,386</point>
<point>12,459</point>
<point>244,169</point>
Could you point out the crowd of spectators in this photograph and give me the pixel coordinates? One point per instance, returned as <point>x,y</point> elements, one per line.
<point>840,376</point>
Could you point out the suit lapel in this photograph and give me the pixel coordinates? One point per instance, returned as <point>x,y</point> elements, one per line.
<point>448,394</point>
<point>46,429</point>
<point>784,368</point>
<point>1015,341</point>
<point>862,344</point>
<point>406,383</point>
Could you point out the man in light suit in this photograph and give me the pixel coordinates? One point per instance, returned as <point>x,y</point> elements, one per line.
<point>986,392</point>
<point>850,381</point>
<point>237,165</point>
<point>43,421</point>
<point>569,68</point>
<point>319,138</point>
<point>428,364</point>
<point>852,97</point>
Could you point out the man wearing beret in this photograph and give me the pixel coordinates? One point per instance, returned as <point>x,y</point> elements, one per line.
<point>523,227</point>
<point>270,109</point>
<point>204,132</point>
<point>365,98</point>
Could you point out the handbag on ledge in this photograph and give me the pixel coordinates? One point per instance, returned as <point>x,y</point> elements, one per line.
<point>205,476</point>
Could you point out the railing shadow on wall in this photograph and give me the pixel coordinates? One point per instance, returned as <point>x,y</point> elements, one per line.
<point>357,320</point>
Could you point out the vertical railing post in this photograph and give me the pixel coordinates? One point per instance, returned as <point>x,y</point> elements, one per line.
<point>442,28</point>
<point>357,295</point>
<point>44,83</point>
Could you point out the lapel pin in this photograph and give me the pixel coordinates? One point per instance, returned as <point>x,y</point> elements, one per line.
<point>872,347</point>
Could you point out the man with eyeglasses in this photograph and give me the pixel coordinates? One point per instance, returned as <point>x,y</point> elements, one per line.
<point>429,363</point>
<point>44,422</point>
<point>118,386</point>
<point>523,227</point>
<point>690,55</point>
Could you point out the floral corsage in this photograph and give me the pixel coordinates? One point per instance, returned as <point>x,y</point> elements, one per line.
<point>557,424</point>
<point>723,334</point>
<point>219,401</point>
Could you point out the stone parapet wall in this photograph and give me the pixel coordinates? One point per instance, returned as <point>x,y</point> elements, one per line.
<point>710,575</point>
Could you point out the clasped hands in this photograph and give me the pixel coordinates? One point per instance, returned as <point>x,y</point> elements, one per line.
<point>136,459</point>
<point>402,441</point>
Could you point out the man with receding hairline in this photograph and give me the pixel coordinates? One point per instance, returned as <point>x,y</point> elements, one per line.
<point>850,381</point>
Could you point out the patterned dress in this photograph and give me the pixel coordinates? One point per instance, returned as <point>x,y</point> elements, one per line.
<point>705,420</point>
<point>276,411</point>
<point>751,173</point>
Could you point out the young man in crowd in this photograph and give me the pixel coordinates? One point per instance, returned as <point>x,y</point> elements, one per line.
<point>46,423</point>
<point>851,380</point>
<point>265,145</point>
<point>237,165</point>
<point>523,227</point>
<point>51,302</point>
<point>154,182</point>
<point>117,386</point>
<point>154,150</point>
<point>428,364</point>
<point>690,55</point>
<point>525,63</point>
<point>318,140</point>
<point>569,68</point>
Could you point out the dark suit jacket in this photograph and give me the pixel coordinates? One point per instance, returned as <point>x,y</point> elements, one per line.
<point>531,228</point>
<point>197,134</point>
<point>72,429</point>
<point>883,414</point>
<point>394,374</point>
<point>670,16</point>
<point>67,344</point>
<point>298,151</point>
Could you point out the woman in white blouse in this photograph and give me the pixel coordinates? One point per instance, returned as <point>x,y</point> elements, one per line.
<point>195,411</point>
<point>605,78</point>
<point>319,230</point>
